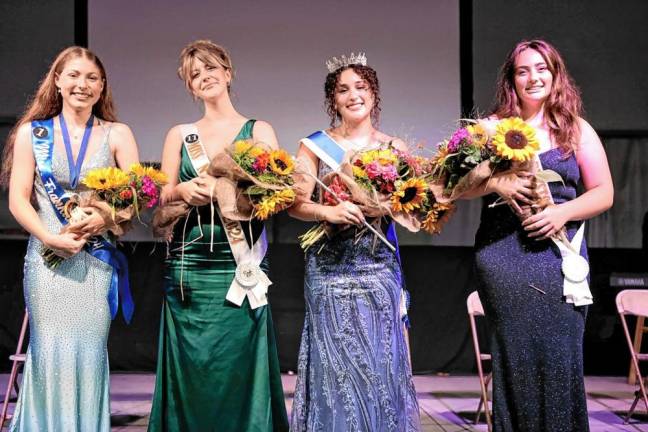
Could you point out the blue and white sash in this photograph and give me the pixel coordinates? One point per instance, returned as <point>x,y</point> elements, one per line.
<point>332,154</point>
<point>98,247</point>
<point>325,148</point>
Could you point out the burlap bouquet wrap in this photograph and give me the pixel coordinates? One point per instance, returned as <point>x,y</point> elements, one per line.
<point>117,222</point>
<point>373,204</point>
<point>229,192</point>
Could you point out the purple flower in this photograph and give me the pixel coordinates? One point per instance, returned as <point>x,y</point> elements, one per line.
<point>457,138</point>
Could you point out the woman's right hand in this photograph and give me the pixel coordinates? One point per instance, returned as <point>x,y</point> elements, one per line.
<point>514,188</point>
<point>193,193</point>
<point>344,213</point>
<point>65,245</point>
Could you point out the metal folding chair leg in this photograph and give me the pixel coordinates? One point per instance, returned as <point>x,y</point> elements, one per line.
<point>17,359</point>
<point>483,403</point>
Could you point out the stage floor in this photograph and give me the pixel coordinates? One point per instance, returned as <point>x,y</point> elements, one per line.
<point>447,403</point>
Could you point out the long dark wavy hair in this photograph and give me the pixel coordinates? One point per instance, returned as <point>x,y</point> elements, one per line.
<point>562,108</point>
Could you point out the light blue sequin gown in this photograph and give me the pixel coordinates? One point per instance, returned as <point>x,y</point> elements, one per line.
<point>65,381</point>
<point>353,369</point>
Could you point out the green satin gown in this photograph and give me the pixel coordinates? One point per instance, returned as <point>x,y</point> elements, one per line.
<point>217,364</point>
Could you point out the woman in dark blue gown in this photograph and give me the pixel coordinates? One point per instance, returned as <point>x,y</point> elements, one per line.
<point>536,334</point>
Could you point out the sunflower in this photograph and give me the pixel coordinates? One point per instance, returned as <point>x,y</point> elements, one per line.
<point>409,195</point>
<point>437,217</point>
<point>281,162</point>
<point>440,156</point>
<point>478,133</point>
<point>515,140</point>
<point>105,178</point>
<point>274,203</point>
<point>246,146</point>
<point>154,174</point>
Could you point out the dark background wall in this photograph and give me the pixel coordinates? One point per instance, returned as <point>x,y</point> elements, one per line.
<point>604,46</point>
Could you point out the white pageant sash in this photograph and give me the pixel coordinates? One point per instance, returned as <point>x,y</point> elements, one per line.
<point>249,280</point>
<point>575,269</point>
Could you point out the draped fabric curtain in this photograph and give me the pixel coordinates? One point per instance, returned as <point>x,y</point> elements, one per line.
<point>621,226</point>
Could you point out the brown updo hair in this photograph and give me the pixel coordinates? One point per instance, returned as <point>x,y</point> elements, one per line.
<point>368,74</point>
<point>207,52</point>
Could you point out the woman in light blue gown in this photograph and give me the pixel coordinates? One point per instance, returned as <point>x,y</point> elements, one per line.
<point>353,372</point>
<point>65,382</point>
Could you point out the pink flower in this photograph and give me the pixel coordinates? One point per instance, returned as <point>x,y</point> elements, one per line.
<point>148,187</point>
<point>382,172</point>
<point>151,203</point>
<point>457,138</point>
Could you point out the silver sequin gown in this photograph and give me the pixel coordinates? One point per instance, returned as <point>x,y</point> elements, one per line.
<point>65,381</point>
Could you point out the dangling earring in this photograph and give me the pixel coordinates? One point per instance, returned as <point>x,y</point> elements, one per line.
<point>58,90</point>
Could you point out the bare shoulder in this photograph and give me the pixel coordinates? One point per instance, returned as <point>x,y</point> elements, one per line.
<point>24,131</point>
<point>263,126</point>
<point>586,129</point>
<point>588,136</point>
<point>119,130</point>
<point>263,132</point>
<point>175,131</point>
<point>263,129</point>
<point>397,142</point>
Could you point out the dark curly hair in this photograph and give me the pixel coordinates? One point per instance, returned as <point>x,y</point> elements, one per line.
<point>366,73</point>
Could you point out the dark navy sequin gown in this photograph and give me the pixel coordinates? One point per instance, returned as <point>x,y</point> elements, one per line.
<point>536,338</point>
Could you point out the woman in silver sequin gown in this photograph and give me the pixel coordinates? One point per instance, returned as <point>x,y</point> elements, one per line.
<point>354,372</point>
<point>65,381</point>
<point>536,335</point>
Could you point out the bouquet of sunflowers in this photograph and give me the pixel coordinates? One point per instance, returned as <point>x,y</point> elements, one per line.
<point>385,181</point>
<point>269,173</point>
<point>252,181</point>
<point>117,196</point>
<point>255,181</point>
<point>477,150</point>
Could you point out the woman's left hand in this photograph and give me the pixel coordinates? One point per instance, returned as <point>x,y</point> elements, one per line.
<point>207,182</point>
<point>91,225</point>
<point>545,224</point>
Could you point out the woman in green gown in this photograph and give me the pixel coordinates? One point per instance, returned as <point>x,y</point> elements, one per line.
<point>217,363</point>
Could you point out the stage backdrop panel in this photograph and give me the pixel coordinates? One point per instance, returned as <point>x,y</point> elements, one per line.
<point>279,50</point>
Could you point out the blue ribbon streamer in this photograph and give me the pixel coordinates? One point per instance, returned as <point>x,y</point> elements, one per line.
<point>98,247</point>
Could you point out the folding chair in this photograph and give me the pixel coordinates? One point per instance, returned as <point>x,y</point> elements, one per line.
<point>18,359</point>
<point>635,303</point>
<point>475,309</point>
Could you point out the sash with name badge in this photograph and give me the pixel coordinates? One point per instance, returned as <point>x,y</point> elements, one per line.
<point>98,247</point>
<point>249,280</point>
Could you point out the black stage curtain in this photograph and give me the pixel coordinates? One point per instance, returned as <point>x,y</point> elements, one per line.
<point>439,279</point>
